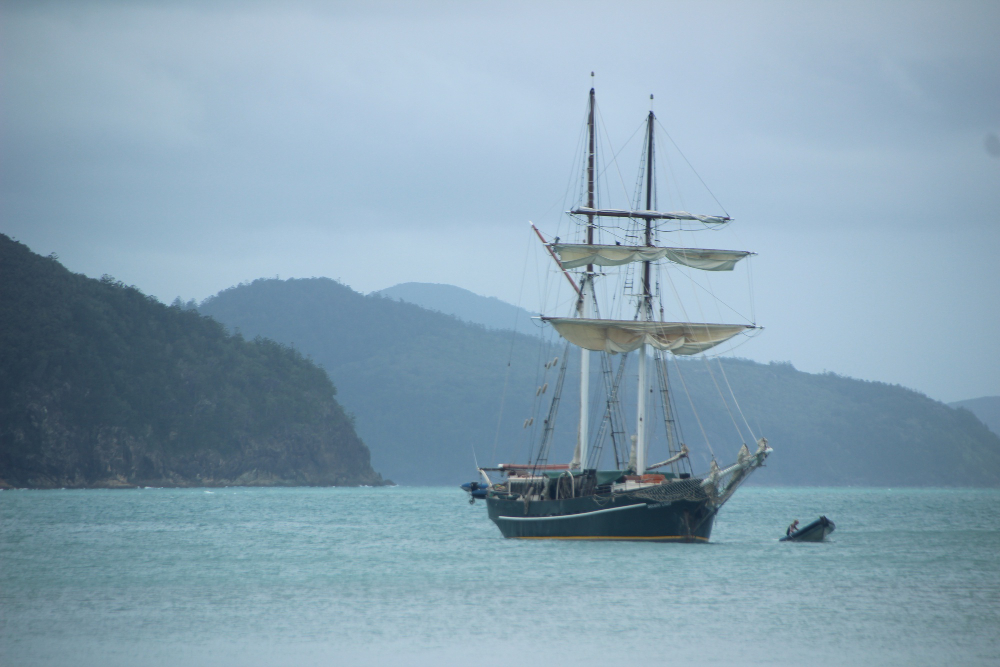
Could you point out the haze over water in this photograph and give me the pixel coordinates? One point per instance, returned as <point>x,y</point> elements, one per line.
<point>306,576</point>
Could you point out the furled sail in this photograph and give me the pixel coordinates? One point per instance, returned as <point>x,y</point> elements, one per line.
<point>651,215</point>
<point>572,255</point>
<point>626,335</point>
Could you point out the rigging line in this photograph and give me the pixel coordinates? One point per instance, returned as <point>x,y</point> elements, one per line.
<point>684,384</point>
<point>594,399</point>
<point>614,158</point>
<point>747,336</point>
<point>677,296</point>
<point>624,146</point>
<point>545,294</point>
<point>510,353</point>
<point>607,137</point>
<point>673,180</point>
<point>637,187</point>
<point>708,367</point>
<point>718,301</point>
<point>735,402</point>
<point>732,417</point>
<point>677,423</point>
<point>664,403</point>
<point>598,446</point>
<point>569,182</point>
<point>749,268</point>
<point>536,400</point>
<point>689,226</point>
<point>610,414</point>
<point>580,150</point>
<point>544,347</point>
<point>618,417</point>
<point>692,168</point>
<point>577,154</point>
<point>708,444</point>
<point>546,443</point>
<point>718,357</point>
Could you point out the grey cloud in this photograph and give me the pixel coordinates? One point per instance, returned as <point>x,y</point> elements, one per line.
<point>186,147</point>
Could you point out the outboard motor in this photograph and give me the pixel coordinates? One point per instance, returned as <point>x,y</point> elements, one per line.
<point>475,490</point>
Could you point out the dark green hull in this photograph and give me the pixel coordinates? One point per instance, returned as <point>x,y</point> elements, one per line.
<point>650,515</point>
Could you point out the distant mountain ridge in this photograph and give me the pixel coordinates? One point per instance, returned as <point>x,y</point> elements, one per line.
<point>427,392</point>
<point>468,306</point>
<point>103,386</point>
<point>987,408</point>
<point>424,387</point>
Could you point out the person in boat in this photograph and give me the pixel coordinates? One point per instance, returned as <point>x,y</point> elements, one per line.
<point>793,527</point>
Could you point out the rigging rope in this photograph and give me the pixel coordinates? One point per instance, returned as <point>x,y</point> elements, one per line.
<point>692,168</point>
<point>708,444</point>
<point>724,401</point>
<point>613,417</point>
<point>735,402</point>
<point>510,354</point>
<point>614,157</point>
<point>549,425</point>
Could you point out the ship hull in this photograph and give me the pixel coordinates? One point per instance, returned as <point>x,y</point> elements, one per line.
<point>620,516</point>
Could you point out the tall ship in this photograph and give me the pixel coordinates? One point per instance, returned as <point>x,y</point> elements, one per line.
<point>635,498</point>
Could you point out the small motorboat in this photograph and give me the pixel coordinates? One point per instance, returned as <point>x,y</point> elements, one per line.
<point>813,532</point>
<point>476,490</point>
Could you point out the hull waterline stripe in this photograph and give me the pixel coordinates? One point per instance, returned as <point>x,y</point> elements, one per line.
<point>661,538</point>
<point>569,516</point>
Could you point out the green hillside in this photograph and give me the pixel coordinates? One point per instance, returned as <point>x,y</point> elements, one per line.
<point>833,430</point>
<point>426,389</point>
<point>101,385</point>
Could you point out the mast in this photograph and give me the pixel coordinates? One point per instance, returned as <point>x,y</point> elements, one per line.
<point>645,307</point>
<point>586,298</point>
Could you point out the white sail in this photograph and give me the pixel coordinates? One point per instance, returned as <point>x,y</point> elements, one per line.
<point>617,336</point>
<point>573,255</point>
<point>650,215</point>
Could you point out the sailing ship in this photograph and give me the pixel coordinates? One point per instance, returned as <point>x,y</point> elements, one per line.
<point>636,500</point>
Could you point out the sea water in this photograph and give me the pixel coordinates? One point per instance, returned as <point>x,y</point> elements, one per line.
<point>417,576</point>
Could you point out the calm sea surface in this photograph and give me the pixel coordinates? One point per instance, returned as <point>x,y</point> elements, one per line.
<point>417,576</point>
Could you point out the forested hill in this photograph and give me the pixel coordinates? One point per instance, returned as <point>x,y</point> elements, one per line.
<point>425,387</point>
<point>102,386</point>
<point>828,429</point>
<point>427,392</point>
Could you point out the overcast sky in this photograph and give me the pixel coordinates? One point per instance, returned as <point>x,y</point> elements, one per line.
<point>185,147</point>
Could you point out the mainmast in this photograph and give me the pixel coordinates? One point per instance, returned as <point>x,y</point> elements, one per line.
<point>584,306</point>
<point>645,306</point>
